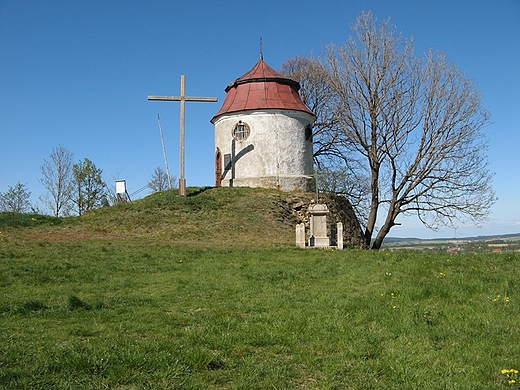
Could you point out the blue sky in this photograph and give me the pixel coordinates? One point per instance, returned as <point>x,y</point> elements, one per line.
<point>78,73</point>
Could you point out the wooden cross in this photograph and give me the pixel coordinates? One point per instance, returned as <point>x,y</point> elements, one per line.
<point>183,99</point>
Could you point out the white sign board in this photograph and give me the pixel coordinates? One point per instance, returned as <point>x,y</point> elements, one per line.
<point>120,187</point>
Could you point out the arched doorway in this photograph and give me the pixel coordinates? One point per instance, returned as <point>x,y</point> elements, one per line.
<point>218,168</point>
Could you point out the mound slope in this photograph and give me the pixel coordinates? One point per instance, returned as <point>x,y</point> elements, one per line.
<point>220,217</point>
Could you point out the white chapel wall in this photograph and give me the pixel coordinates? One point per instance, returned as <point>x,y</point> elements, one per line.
<point>275,155</point>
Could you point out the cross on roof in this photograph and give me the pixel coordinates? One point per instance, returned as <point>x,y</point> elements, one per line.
<point>183,99</point>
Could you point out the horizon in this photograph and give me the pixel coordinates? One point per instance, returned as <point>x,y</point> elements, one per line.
<point>454,238</point>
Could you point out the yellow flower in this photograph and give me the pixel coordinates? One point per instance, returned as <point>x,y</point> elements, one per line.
<point>505,371</point>
<point>512,381</point>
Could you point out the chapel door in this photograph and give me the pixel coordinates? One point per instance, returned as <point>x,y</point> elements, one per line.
<point>218,168</point>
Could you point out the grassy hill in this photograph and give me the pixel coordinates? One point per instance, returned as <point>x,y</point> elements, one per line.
<point>206,217</point>
<point>210,217</point>
<point>210,292</point>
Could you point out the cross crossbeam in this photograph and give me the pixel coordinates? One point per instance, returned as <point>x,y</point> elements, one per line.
<point>183,99</point>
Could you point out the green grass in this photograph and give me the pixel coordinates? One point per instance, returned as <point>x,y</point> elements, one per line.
<point>9,220</point>
<point>127,310</point>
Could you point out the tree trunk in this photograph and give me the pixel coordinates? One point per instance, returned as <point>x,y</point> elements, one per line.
<point>393,211</point>
<point>385,229</point>
<point>374,206</point>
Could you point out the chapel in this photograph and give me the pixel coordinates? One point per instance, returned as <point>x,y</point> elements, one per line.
<point>263,133</point>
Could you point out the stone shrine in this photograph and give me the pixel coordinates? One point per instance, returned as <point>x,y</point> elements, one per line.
<point>318,226</point>
<point>318,237</point>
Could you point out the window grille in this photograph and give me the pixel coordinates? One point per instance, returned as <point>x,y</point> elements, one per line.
<point>241,131</point>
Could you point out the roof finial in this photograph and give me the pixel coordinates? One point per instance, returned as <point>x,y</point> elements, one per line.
<point>261,53</point>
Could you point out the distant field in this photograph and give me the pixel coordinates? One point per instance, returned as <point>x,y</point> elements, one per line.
<point>497,243</point>
<point>111,300</point>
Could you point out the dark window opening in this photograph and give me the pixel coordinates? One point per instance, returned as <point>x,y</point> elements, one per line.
<point>308,133</point>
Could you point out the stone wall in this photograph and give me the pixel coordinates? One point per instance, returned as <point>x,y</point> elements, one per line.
<point>340,210</point>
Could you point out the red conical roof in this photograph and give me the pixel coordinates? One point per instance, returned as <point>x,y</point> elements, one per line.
<point>262,88</point>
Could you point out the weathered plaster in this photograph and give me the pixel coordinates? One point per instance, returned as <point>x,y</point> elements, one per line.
<point>275,155</point>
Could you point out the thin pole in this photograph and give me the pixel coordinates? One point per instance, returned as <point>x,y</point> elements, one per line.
<point>164,153</point>
<point>182,180</point>
<point>316,184</point>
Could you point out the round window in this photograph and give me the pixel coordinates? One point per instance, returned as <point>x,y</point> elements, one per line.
<point>241,131</point>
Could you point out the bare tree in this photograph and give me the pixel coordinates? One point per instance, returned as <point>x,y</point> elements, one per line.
<point>414,124</point>
<point>16,199</point>
<point>315,91</point>
<point>58,181</point>
<point>339,171</point>
<point>160,180</point>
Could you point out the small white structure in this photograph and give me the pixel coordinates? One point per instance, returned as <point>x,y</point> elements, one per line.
<point>121,192</point>
<point>300,235</point>
<point>318,237</point>
<point>339,235</point>
<point>263,134</point>
<point>318,229</point>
